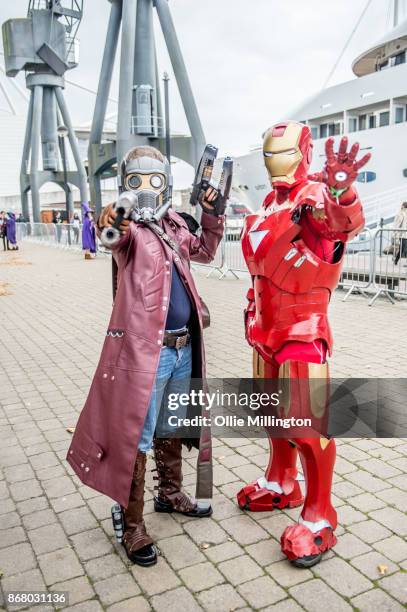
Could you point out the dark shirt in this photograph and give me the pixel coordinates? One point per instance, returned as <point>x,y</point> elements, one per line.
<point>179,311</point>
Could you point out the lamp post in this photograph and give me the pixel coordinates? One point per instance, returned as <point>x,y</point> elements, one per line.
<point>166,79</point>
<point>62,134</point>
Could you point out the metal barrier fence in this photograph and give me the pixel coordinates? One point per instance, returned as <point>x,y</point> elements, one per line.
<point>357,268</point>
<point>371,267</point>
<point>389,264</point>
<point>59,235</point>
<point>375,262</point>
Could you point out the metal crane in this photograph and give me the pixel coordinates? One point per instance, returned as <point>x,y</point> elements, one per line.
<point>140,117</point>
<point>44,45</point>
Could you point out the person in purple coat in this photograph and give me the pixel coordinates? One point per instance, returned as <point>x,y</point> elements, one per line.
<point>11,231</point>
<point>3,231</point>
<point>88,232</point>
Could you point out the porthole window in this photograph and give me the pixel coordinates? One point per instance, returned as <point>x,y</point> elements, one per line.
<point>366,176</point>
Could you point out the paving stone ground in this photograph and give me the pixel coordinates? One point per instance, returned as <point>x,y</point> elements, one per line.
<point>56,534</point>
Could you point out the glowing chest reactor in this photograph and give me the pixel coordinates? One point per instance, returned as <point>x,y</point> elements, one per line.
<point>270,236</point>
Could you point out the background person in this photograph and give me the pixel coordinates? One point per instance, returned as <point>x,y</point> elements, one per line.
<point>76,226</point>
<point>11,231</point>
<point>400,238</point>
<point>58,223</point>
<point>88,232</point>
<point>3,229</point>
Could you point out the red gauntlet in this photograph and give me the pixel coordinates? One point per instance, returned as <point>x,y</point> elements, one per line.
<point>342,168</point>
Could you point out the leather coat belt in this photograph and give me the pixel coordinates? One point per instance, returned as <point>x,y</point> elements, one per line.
<point>176,340</point>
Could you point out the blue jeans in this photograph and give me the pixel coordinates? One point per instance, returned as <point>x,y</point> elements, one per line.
<point>173,376</point>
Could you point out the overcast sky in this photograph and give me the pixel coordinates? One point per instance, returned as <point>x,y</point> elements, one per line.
<point>249,61</point>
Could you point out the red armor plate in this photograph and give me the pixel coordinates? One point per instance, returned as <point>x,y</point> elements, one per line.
<point>292,285</point>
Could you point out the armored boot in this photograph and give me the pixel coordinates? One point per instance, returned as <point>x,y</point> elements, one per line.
<point>305,543</point>
<point>170,497</point>
<point>278,488</point>
<point>137,543</point>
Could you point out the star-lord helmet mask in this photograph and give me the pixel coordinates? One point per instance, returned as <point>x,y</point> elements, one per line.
<point>287,151</point>
<point>151,181</point>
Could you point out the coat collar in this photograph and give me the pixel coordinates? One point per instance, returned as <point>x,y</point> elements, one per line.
<point>175,218</point>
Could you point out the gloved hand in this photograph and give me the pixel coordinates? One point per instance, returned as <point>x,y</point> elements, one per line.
<point>342,168</point>
<point>107,218</point>
<point>210,202</point>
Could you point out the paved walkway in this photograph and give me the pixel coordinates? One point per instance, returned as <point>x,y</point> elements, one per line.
<point>56,534</point>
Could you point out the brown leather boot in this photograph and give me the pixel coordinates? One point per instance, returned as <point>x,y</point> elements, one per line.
<point>137,543</point>
<point>170,497</point>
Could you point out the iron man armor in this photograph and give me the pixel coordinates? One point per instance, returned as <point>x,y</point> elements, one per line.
<point>294,248</point>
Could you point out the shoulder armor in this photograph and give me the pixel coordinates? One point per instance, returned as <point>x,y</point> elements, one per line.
<point>311,194</point>
<point>269,199</point>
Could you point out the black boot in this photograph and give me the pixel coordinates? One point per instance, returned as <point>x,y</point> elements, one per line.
<point>138,544</point>
<point>170,497</point>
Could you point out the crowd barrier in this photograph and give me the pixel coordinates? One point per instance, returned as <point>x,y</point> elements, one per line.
<point>375,263</point>
<point>371,267</point>
<point>57,235</point>
<point>357,271</point>
<point>389,264</point>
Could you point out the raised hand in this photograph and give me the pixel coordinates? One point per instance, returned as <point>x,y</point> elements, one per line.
<point>208,199</point>
<point>124,225</point>
<point>108,218</point>
<point>342,168</point>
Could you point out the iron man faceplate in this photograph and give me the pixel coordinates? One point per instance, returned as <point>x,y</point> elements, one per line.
<point>287,151</point>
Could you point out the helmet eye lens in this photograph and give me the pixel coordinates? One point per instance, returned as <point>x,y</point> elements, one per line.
<point>156,181</point>
<point>134,181</point>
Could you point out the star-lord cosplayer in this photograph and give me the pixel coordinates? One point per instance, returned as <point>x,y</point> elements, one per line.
<point>294,249</point>
<point>154,340</point>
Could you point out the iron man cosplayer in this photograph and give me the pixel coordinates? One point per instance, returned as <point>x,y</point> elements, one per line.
<point>294,249</point>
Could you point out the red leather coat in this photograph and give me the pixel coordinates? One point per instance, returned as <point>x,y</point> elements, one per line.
<point>293,280</point>
<point>104,445</point>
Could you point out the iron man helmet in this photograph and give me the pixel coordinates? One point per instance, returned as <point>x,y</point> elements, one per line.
<point>287,151</point>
